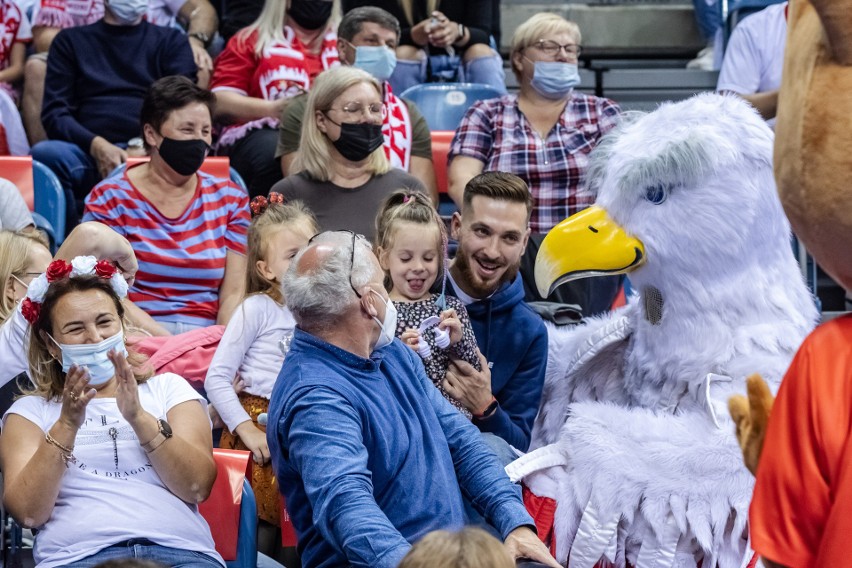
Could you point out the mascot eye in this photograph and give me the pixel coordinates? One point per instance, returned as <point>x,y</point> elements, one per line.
<point>656,194</point>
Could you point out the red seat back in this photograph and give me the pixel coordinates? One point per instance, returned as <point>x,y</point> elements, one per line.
<point>441,140</point>
<point>222,509</point>
<point>19,170</point>
<point>216,166</point>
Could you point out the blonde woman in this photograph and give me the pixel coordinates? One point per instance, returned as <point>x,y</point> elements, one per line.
<point>264,64</point>
<point>344,175</point>
<point>449,40</point>
<point>23,256</point>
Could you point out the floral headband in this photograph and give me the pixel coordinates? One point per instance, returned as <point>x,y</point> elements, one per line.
<point>259,204</point>
<point>59,269</point>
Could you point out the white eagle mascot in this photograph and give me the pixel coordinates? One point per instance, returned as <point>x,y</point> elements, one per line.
<point>633,439</point>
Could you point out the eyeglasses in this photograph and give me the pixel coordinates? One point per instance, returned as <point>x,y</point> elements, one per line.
<point>355,236</point>
<point>552,49</point>
<point>353,109</point>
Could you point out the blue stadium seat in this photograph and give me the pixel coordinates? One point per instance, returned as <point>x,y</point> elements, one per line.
<point>443,104</point>
<point>49,201</point>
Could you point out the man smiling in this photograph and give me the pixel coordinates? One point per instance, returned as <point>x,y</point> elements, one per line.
<point>492,231</point>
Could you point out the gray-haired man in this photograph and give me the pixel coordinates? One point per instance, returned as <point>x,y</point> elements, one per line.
<point>368,453</point>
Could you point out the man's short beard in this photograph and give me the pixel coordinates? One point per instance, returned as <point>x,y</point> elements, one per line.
<point>470,278</point>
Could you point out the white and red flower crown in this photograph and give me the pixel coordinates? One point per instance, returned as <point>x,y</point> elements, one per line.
<point>59,269</point>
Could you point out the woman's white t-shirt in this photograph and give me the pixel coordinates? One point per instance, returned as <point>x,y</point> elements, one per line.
<point>112,493</point>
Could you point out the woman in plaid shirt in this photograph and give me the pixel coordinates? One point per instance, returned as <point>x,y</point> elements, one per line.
<point>544,134</point>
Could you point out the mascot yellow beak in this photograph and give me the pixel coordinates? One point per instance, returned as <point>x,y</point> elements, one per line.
<point>588,243</point>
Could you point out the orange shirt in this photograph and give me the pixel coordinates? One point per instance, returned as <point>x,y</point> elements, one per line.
<point>801,512</point>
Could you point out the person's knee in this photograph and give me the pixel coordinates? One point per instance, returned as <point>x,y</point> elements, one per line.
<point>409,53</point>
<point>35,69</point>
<point>49,152</point>
<point>477,51</point>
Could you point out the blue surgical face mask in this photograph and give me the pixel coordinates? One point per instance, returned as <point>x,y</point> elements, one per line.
<point>377,60</point>
<point>127,12</point>
<point>93,356</point>
<point>554,79</point>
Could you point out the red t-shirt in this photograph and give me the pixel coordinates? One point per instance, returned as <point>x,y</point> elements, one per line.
<point>800,512</point>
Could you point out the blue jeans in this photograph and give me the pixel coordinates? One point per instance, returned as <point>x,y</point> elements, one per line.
<point>145,549</point>
<point>484,70</point>
<point>505,455</point>
<point>708,15</point>
<point>76,170</point>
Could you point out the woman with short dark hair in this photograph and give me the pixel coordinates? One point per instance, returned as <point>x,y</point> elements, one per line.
<point>187,227</point>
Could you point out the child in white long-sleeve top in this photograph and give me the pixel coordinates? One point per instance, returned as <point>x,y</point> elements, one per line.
<point>251,347</point>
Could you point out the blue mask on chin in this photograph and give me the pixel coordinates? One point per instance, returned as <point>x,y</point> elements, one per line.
<point>377,60</point>
<point>93,356</point>
<point>554,79</point>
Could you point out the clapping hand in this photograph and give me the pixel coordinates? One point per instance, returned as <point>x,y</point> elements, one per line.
<point>76,396</point>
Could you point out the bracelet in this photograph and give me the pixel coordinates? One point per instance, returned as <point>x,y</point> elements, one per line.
<point>65,452</point>
<point>461,34</point>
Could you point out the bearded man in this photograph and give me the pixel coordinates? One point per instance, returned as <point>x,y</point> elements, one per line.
<point>492,230</point>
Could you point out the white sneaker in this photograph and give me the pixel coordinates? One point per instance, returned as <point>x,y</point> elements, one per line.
<point>704,60</point>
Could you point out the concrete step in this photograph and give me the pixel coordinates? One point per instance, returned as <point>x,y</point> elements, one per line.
<point>626,28</point>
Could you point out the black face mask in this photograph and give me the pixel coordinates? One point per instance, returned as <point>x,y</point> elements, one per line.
<point>310,14</point>
<point>357,141</point>
<point>184,156</point>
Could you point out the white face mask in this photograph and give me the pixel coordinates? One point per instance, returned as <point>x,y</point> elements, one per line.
<point>388,326</point>
<point>127,12</point>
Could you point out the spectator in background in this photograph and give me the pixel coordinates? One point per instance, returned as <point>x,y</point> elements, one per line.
<point>23,256</point>
<point>442,41</point>
<point>275,58</point>
<point>14,214</point>
<point>91,104</point>
<point>754,60</point>
<point>13,139</point>
<point>236,15</point>
<point>545,135</point>
<point>15,34</point>
<point>187,227</point>
<point>197,16</point>
<point>368,453</point>
<point>367,38</point>
<point>468,548</point>
<point>344,174</point>
<point>708,16</point>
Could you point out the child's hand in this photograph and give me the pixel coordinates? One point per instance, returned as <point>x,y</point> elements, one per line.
<point>238,383</point>
<point>410,337</point>
<point>255,440</point>
<point>450,321</point>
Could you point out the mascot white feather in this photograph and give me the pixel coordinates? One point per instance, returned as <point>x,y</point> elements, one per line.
<point>634,439</point>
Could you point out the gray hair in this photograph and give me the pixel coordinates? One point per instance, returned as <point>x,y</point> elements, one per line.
<point>353,21</point>
<point>318,298</point>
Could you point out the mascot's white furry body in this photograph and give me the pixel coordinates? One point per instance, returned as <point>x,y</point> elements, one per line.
<point>634,439</point>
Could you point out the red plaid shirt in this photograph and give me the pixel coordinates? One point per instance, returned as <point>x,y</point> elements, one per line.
<point>495,132</point>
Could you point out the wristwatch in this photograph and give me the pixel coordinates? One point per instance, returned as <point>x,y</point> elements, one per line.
<point>164,434</point>
<point>488,411</point>
<point>202,37</point>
